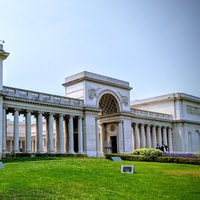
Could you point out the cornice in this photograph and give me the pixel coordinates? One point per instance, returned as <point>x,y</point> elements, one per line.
<point>165,98</point>
<point>96,81</point>
<point>186,121</point>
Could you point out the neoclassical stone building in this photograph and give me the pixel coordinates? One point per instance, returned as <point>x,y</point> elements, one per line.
<point>95,116</point>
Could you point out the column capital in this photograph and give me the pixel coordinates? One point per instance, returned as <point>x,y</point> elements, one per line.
<point>153,126</point>
<point>148,125</point>
<point>46,115</point>
<point>101,124</point>
<point>17,109</point>
<point>28,111</point>
<point>68,116</point>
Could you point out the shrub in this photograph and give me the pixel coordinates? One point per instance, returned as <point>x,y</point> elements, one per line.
<point>197,154</point>
<point>149,152</point>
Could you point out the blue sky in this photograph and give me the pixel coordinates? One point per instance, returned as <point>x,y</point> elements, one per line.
<point>152,44</point>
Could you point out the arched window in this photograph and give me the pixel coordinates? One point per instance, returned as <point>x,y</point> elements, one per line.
<point>108,104</point>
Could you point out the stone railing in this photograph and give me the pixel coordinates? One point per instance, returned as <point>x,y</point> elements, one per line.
<point>42,97</point>
<point>151,114</point>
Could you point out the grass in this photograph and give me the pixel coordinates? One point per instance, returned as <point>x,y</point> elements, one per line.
<point>92,178</point>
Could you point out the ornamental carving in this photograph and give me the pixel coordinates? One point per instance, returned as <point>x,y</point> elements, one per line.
<point>93,93</point>
<point>124,99</point>
<point>193,110</point>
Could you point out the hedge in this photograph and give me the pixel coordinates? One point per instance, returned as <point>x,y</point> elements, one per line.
<point>162,159</point>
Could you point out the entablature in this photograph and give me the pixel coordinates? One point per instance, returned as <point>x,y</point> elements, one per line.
<point>16,94</point>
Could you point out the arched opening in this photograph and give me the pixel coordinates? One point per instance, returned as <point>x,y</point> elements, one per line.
<point>110,141</point>
<point>108,104</point>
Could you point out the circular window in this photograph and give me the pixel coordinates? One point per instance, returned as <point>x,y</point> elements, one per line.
<point>112,128</point>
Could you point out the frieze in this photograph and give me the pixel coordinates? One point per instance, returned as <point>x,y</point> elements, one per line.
<point>193,110</point>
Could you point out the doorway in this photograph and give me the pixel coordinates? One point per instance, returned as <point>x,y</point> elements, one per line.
<point>113,140</point>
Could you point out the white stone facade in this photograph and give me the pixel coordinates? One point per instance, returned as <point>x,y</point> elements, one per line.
<point>95,117</point>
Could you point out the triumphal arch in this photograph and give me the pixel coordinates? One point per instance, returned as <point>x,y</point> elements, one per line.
<point>95,116</point>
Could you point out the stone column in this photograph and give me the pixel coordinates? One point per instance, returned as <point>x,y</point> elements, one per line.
<point>56,134</point>
<point>71,135</point>
<point>50,136</point>
<point>11,146</point>
<point>107,143</point>
<point>80,136</point>
<point>170,140</point>
<point>16,131</point>
<point>66,142</point>
<point>33,145</point>
<point>60,135</point>
<point>142,136</point>
<point>159,136</point>
<point>148,137</point>
<point>28,131</point>
<point>154,136</point>
<point>164,135</point>
<point>4,135</point>
<point>39,133</point>
<point>120,136</point>
<point>102,138</point>
<point>137,139</point>
<point>97,138</point>
<point>133,136</point>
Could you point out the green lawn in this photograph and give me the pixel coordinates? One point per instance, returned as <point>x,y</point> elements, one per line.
<point>92,178</point>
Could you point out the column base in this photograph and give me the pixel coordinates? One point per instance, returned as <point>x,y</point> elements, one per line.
<point>3,155</point>
<point>81,152</point>
<point>15,151</point>
<point>71,152</point>
<point>40,152</point>
<point>62,152</point>
<point>51,152</point>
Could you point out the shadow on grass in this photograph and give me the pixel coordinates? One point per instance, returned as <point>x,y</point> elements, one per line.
<point>25,159</point>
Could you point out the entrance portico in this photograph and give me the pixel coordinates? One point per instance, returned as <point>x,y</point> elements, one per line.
<point>111,97</point>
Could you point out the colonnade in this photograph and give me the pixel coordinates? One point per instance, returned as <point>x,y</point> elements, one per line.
<point>143,136</point>
<point>148,136</point>
<point>60,140</point>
